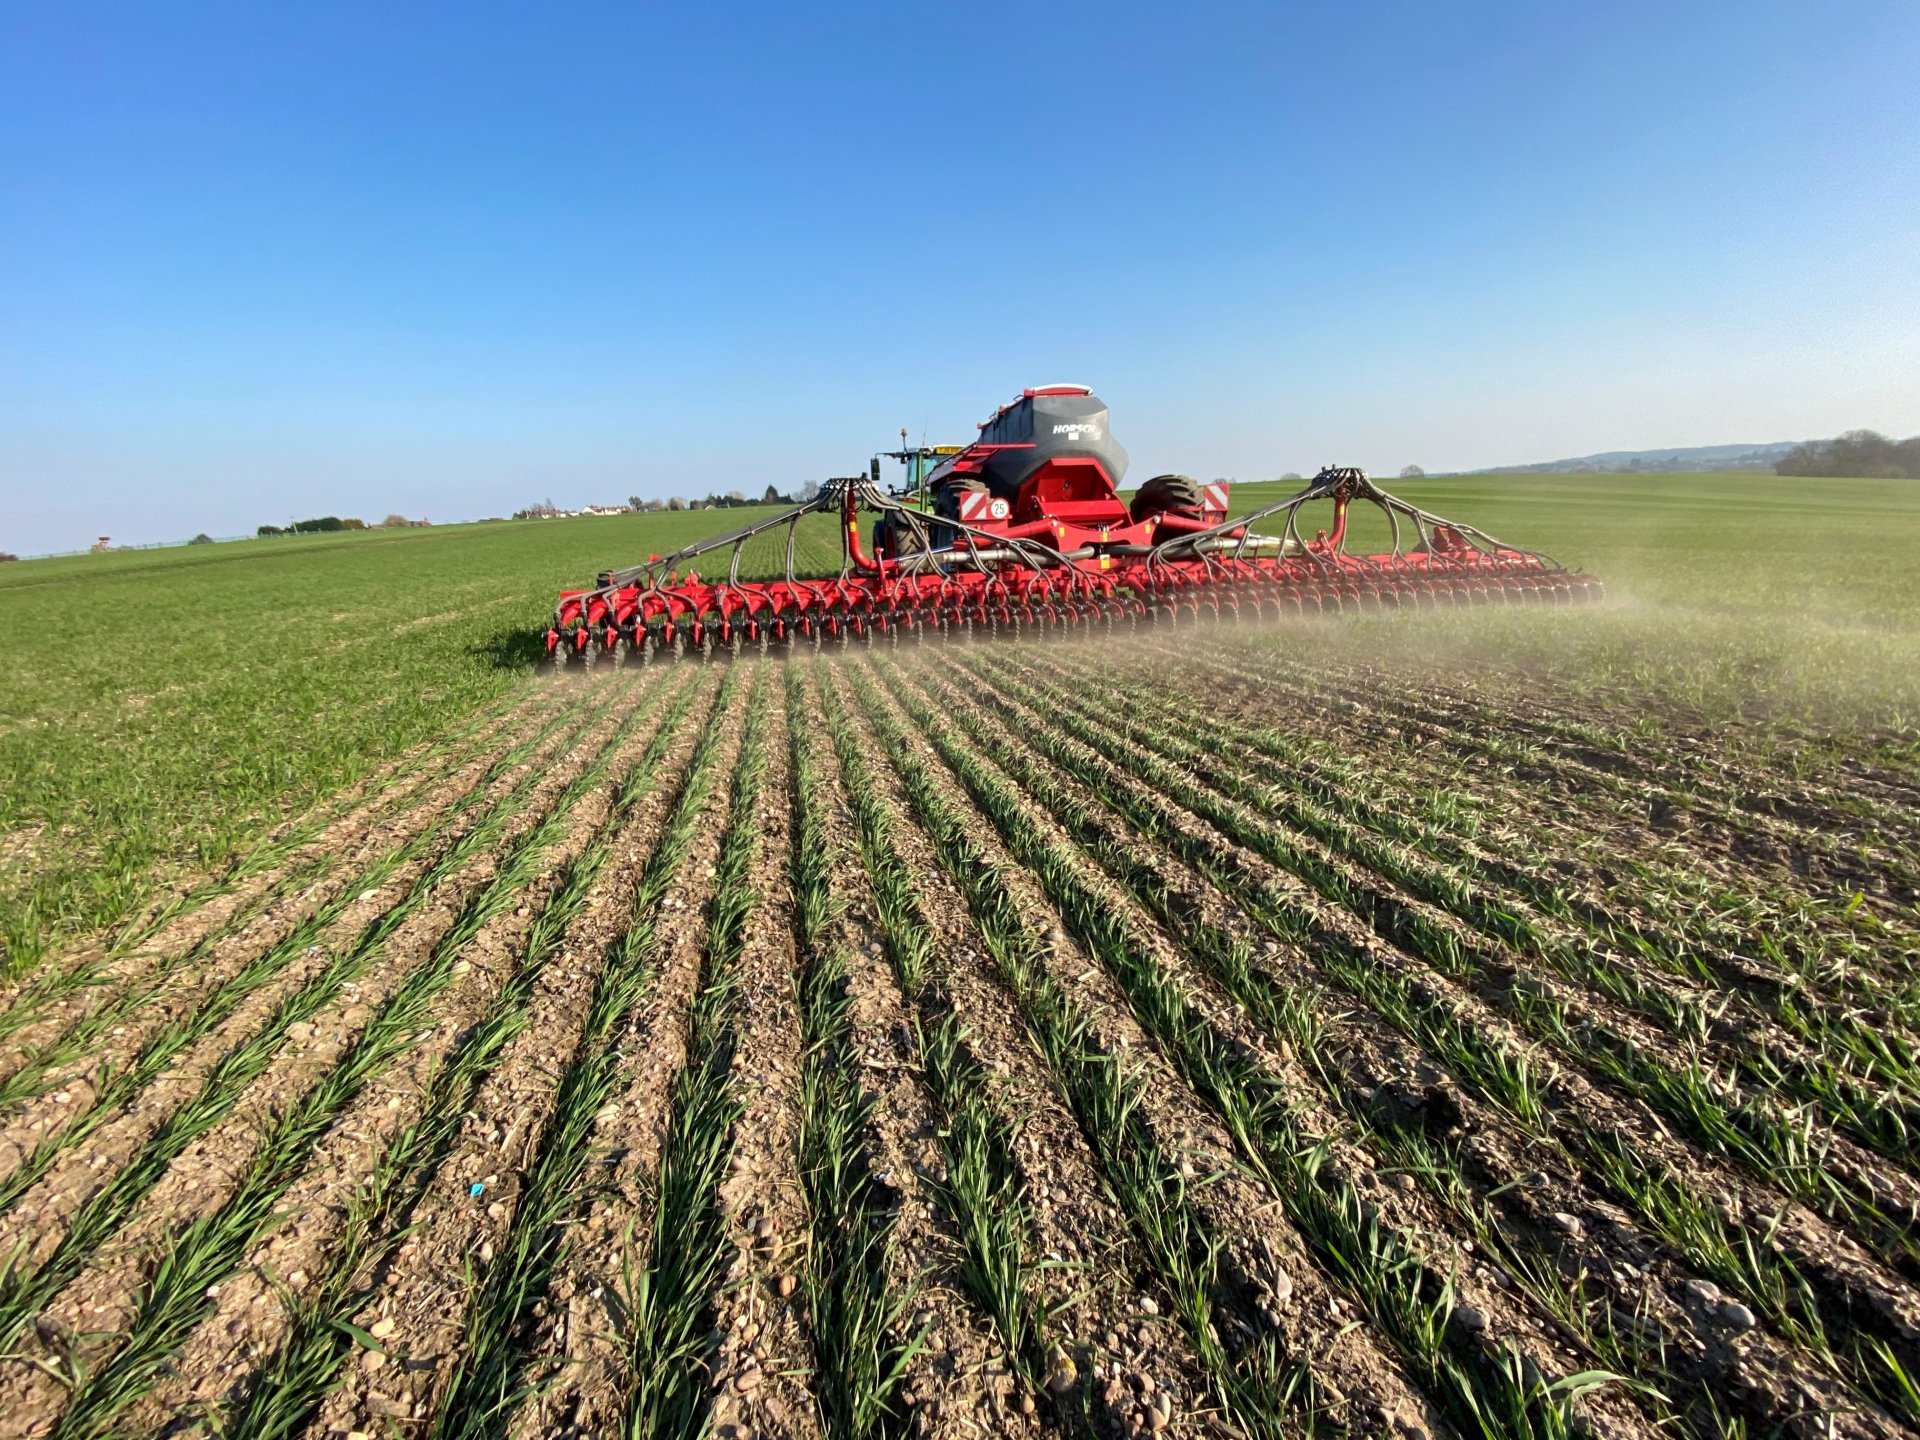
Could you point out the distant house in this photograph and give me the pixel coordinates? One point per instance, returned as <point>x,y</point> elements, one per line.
<point>550,511</point>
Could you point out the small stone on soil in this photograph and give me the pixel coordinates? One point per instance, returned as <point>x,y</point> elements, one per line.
<point>1703,1291</point>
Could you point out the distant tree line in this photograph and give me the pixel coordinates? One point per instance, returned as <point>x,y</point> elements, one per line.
<point>1865,453</point>
<point>325,525</point>
<point>770,496</point>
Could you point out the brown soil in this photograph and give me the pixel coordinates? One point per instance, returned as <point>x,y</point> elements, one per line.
<point>1570,811</point>
<point>579,1343</point>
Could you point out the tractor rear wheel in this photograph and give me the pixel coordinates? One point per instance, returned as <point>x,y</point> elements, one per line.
<point>1163,493</point>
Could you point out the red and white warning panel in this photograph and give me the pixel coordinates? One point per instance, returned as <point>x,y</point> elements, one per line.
<point>1213,498</point>
<point>977,507</point>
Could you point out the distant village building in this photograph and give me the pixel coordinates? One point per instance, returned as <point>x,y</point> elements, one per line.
<point>550,511</point>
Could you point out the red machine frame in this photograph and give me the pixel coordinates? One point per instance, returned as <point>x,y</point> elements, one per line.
<point>1064,554</point>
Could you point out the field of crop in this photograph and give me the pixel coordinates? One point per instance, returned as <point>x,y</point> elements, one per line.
<point>1462,1025</point>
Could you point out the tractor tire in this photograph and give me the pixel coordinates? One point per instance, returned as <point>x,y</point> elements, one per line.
<point>1179,494</point>
<point>901,538</point>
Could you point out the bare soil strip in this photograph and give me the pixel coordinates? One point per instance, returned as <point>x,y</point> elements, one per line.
<point>1045,1039</point>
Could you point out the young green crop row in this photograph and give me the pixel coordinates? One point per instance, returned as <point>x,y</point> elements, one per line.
<point>1864,1080</point>
<point>492,1370</point>
<point>25,1287</point>
<point>985,1191</point>
<point>855,1312</point>
<point>1506,1078</point>
<point>1105,1091</point>
<point>1872,1115</point>
<point>1286,932</point>
<point>39,1068</point>
<point>205,1252</point>
<point>290,862</point>
<point>1404,794</point>
<point>322,1335</point>
<point>1717,783</point>
<point>1825,936</point>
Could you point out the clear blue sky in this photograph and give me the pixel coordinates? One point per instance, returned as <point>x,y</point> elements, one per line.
<point>263,260</point>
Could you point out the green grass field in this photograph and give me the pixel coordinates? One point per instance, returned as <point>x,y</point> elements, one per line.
<point>163,709</point>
